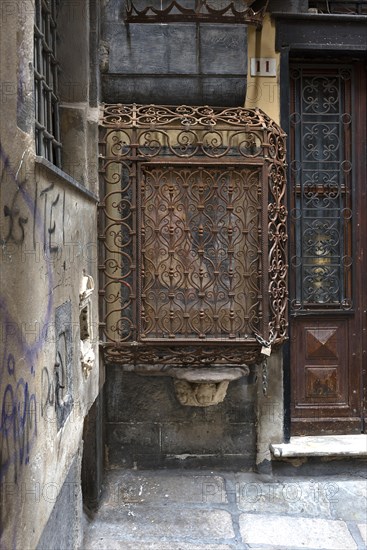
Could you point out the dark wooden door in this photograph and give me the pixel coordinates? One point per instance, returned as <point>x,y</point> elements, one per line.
<point>328,214</point>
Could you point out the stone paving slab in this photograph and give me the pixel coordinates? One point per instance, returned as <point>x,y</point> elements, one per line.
<point>289,498</point>
<point>329,497</point>
<point>291,532</point>
<point>363,530</point>
<point>349,501</point>
<point>110,544</point>
<point>136,522</point>
<point>125,486</point>
<point>207,510</point>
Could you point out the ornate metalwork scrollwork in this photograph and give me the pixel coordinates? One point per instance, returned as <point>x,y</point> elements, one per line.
<point>193,229</point>
<point>199,248</point>
<point>201,11</point>
<point>321,171</point>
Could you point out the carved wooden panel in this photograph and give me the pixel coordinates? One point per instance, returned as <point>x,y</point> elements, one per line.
<point>322,382</point>
<point>322,348</point>
<point>324,389</point>
<point>322,343</point>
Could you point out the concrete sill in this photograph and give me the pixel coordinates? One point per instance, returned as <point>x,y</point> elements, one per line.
<point>326,445</point>
<point>65,178</point>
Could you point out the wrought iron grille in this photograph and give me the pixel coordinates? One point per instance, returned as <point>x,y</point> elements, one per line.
<point>321,168</point>
<point>46,69</point>
<point>193,234</point>
<point>200,11</point>
<point>200,241</point>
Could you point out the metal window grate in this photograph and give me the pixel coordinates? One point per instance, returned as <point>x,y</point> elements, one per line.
<point>193,234</point>
<point>322,176</point>
<point>46,69</point>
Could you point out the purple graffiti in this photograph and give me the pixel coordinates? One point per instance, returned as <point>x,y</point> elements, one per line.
<point>18,402</point>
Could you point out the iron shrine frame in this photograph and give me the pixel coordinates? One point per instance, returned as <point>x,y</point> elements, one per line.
<point>211,155</point>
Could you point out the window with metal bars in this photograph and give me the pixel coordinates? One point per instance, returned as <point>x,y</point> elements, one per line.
<point>46,69</point>
<point>321,140</point>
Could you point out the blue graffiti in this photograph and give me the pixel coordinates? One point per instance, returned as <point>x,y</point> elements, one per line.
<point>18,423</point>
<point>18,402</point>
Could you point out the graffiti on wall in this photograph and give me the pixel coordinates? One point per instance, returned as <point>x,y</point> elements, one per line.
<point>32,222</point>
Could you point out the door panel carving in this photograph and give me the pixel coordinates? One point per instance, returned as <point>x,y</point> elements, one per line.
<point>321,343</point>
<point>322,378</point>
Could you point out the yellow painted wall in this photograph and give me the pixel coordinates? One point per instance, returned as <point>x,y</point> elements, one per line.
<point>263,91</point>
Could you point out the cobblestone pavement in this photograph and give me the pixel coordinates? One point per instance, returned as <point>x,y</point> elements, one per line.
<point>197,510</point>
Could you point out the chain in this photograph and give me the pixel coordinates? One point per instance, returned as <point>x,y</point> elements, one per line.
<point>263,342</point>
<point>265,351</point>
<point>264,375</point>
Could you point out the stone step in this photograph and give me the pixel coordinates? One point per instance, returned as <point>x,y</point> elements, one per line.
<point>326,445</point>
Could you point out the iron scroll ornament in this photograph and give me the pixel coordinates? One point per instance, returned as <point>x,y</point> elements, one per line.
<point>322,173</point>
<point>193,235</point>
<point>200,11</point>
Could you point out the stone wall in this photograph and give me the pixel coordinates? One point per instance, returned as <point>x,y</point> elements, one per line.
<point>179,63</point>
<point>146,426</point>
<point>63,529</point>
<point>176,64</point>
<point>49,373</point>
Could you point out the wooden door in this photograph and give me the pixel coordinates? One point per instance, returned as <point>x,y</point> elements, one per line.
<point>328,240</point>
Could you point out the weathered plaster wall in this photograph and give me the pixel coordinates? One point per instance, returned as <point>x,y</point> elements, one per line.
<point>263,91</point>
<point>269,412</point>
<point>63,526</point>
<point>48,242</point>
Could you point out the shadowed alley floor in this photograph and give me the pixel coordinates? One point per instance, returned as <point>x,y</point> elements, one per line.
<point>197,510</point>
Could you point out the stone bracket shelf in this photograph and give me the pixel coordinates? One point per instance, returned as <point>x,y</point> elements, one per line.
<point>203,387</point>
